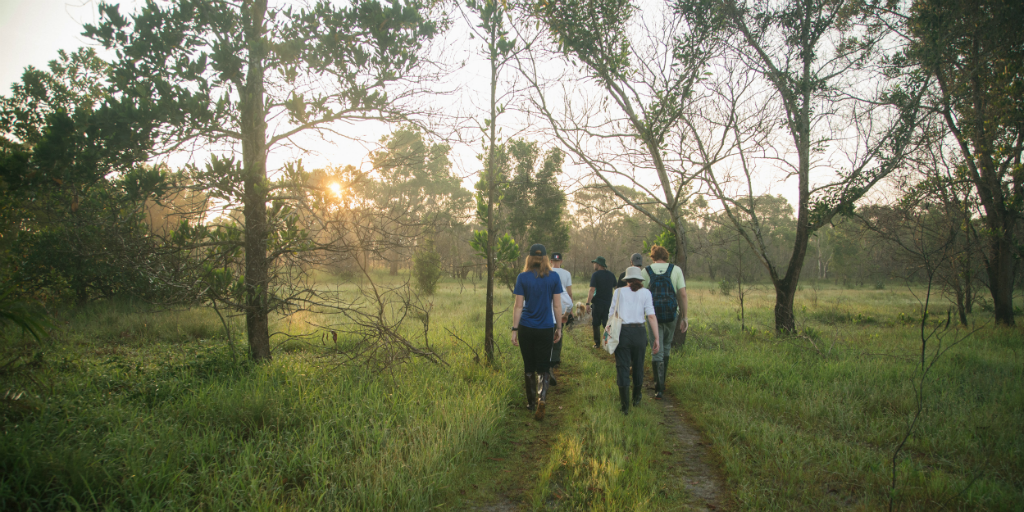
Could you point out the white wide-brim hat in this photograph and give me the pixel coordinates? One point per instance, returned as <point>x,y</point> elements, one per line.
<point>634,273</point>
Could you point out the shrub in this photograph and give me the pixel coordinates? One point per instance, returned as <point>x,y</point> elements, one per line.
<point>426,268</point>
<point>726,286</point>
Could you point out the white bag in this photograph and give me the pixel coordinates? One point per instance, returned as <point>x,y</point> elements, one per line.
<point>614,329</point>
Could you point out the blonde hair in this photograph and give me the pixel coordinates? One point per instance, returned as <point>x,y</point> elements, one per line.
<point>659,253</point>
<point>539,265</point>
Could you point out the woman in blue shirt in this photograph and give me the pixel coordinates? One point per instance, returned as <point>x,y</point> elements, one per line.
<point>534,329</point>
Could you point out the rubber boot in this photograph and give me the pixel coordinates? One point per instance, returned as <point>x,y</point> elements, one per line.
<point>551,377</point>
<point>664,374</point>
<point>542,395</point>
<point>659,379</point>
<point>637,393</point>
<point>531,391</point>
<point>624,399</point>
<point>597,336</point>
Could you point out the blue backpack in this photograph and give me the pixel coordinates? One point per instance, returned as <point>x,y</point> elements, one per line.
<point>665,304</point>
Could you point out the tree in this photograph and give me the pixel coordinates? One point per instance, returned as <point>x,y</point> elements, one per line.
<point>499,50</point>
<point>73,194</point>
<point>814,57</point>
<point>533,205</point>
<point>242,75</point>
<point>418,174</point>
<point>975,53</point>
<point>646,70</point>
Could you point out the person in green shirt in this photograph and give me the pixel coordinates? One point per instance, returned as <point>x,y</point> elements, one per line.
<point>668,331</point>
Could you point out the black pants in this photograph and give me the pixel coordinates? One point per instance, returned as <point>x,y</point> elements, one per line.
<point>630,354</point>
<point>600,319</point>
<point>535,345</point>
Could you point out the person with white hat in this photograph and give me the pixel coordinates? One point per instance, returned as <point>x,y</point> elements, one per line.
<point>633,304</point>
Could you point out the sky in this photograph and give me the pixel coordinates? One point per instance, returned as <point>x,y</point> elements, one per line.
<point>32,31</point>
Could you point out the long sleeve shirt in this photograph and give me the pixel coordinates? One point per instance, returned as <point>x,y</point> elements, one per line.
<point>633,306</point>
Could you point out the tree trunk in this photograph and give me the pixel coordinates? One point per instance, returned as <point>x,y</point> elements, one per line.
<point>256,188</point>
<point>680,227</point>
<point>1001,266</point>
<point>785,292</point>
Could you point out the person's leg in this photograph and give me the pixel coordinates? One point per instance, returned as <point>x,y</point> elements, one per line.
<point>665,332</point>
<point>622,364</point>
<point>638,349</point>
<point>529,370</point>
<point>541,351</point>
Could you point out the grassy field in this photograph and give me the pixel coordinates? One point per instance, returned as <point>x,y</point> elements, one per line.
<point>131,408</point>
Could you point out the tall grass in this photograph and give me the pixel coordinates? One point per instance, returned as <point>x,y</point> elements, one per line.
<point>811,421</point>
<point>127,407</point>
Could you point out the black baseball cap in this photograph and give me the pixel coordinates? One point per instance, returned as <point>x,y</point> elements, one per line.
<point>556,256</point>
<point>538,250</point>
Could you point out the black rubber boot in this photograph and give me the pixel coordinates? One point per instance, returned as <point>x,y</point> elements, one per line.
<point>531,391</point>
<point>542,395</point>
<point>664,374</point>
<point>624,399</point>
<point>659,379</point>
<point>637,393</point>
<point>551,378</point>
<point>597,336</point>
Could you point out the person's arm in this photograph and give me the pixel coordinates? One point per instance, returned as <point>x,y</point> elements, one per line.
<point>590,297</point>
<point>556,304</point>
<point>653,320</point>
<point>517,313</point>
<point>568,289</point>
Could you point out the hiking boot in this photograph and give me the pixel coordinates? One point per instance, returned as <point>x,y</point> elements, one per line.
<point>659,379</point>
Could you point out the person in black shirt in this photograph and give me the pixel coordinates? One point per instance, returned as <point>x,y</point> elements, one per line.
<point>637,260</point>
<point>602,283</point>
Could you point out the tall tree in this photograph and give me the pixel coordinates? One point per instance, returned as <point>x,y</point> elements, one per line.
<point>815,57</point>
<point>533,205</point>
<point>243,75</point>
<point>499,50</point>
<point>645,65</point>
<point>417,174</point>
<point>974,50</point>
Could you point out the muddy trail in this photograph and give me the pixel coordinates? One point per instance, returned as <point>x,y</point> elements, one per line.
<point>690,469</point>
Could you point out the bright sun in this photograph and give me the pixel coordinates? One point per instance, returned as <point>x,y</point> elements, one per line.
<point>336,188</point>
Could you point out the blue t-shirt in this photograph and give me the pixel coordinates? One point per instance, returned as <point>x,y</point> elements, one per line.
<point>537,294</point>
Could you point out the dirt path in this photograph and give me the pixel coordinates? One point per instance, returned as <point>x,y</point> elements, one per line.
<point>689,462</point>
<point>694,463</point>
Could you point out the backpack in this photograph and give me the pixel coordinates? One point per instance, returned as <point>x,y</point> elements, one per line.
<point>665,304</point>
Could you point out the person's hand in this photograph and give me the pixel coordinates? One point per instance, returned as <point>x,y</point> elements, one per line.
<point>588,309</point>
<point>558,334</point>
<point>515,338</point>
<point>657,347</point>
<point>684,324</point>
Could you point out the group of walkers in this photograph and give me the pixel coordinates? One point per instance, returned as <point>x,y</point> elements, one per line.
<point>655,295</point>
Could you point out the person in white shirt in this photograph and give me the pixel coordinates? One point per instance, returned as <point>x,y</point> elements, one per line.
<point>633,303</point>
<point>560,316</point>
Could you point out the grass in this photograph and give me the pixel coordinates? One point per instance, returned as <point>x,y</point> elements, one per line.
<point>812,422</point>
<point>132,408</point>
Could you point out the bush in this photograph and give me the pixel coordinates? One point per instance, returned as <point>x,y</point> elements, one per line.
<point>426,268</point>
<point>726,286</point>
